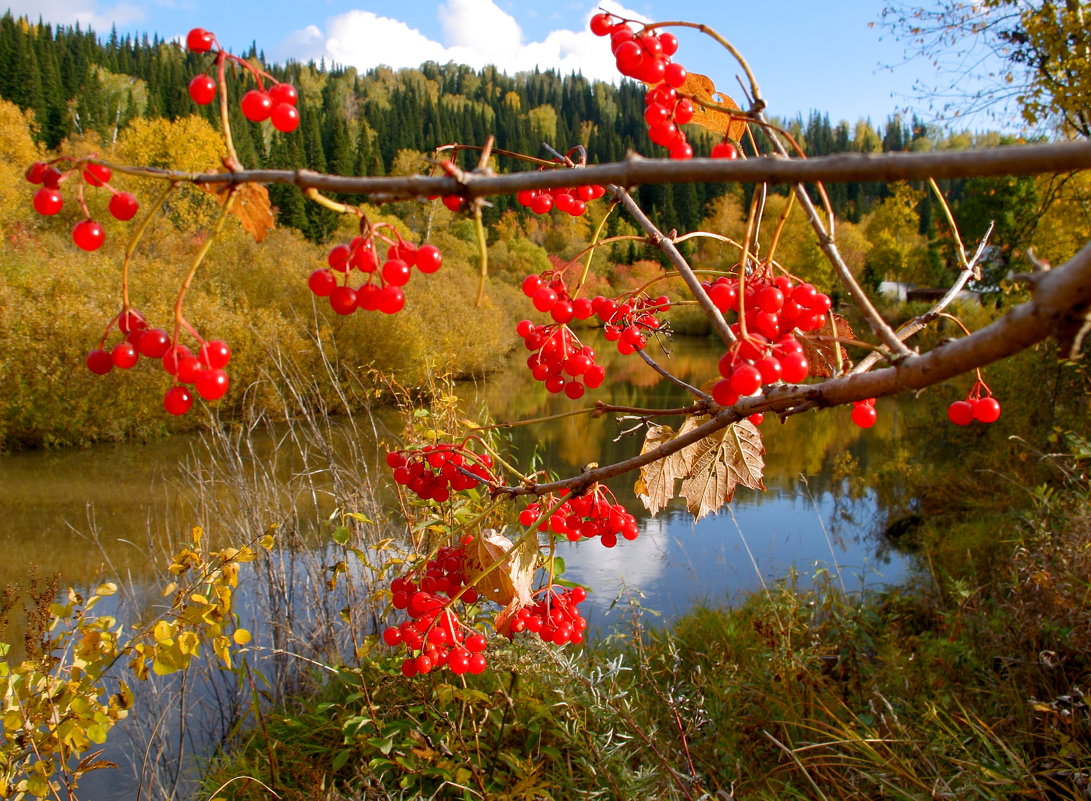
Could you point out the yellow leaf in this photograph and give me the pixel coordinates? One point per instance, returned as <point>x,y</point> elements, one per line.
<point>241,636</point>
<point>719,113</point>
<point>163,631</point>
<point>109,588</point>
<point>170,588</point>
<point>188,643</point>
<point>267,542</point>
<point>513,579</point>
<point>655,486</point>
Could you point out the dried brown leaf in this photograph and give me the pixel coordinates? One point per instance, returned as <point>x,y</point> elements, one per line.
<point>511,584</point>
<point>655,486</point>
<point>721,462</point>
<point>822,353</point>
<point>251,206</point>
<point>717,113</point>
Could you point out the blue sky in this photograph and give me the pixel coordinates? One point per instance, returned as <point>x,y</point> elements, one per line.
<point>806,54</point>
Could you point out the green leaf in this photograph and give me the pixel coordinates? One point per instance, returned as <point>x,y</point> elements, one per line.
<point>340,759</point>
<point>341,535</point>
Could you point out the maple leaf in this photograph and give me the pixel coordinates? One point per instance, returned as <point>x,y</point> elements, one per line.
<point>717,113</point>
<point>822,354</point>
<point>511,584</point>
<point>721,462</point>
<point>251,206</point>
<point>655,485</point>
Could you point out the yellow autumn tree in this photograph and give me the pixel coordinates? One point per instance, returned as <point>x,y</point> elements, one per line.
<point>898,251</point>
<point>17,150</point>
<point>190,144</point>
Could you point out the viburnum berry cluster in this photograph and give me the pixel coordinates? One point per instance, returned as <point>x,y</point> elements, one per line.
<point>87,234</point>
<point>569,199</point>
<point>277,104</point>
<point>559,359</point>
<point>381,289</point>
<point>980,405</point>
<point>434,636</point>
<point>630,319</point>
<point>555,617</point>
<point>433,472</point>
<point>596,513</point>
<point>204,370</point>
<point>771,312</point>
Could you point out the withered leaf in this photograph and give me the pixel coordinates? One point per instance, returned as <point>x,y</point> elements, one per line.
<point>251,206</point>
<point>822,353</point>
<point>716,115</point>
<point>655,485</point>
<point>721,462</point>
<point>511,585</point>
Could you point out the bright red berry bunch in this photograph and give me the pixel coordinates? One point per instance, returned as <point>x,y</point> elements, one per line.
<point>433,472</point>
<point>87,234</point>
<point>444,574</point>
<point>381,290</point>
<point>596,513</point>
<point>980,405</point>
<point>277,104</point>
<point>646,56</point>
<point>203,371</point>
<point>555,617</point>
<point>434,636</point>
<point>559,359</point>
<point>572,200</point>
<point>630,320</point>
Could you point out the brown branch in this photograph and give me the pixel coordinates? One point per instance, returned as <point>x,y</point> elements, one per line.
<point>634,171</point>
<point>1058,296</point>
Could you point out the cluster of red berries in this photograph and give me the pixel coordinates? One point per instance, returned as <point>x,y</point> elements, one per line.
<point>444,574</point>
<point>572,200</point>
<point>433,472</point>
<point>434,636</point>
<point>382,289</point>
<point>863,413</point>
<point>773,310</point>
<point>983,408</point>
<point>87,234</point>
<point>203,370</point>
<point>559,359</point>
<point>278,105</point>
<point>646,56</point>
<point>630,322</point>
<point>555,617</point>
<point>596,513</point>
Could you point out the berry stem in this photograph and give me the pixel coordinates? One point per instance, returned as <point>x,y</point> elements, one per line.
<point>225,117</point>
<point>591,250</point>
<point>483,251</point>
<point>179,320</point>
<point>652,363</point>
<point>341,208</point>
<point>134,240</point>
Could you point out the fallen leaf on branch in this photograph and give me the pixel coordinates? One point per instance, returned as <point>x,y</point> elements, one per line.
<point>719,463</point>
<point>251,206</point>
<point>822,353</point>
<point>655,485</point>
<point>720,114</point>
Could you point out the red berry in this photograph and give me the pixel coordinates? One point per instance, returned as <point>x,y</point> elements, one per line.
<point>284,93</point>
<point>601,24</point>
<point>961,413</point>
<point>675,75</point>
<point>794,367</point>
<point>35,173</point>
<point>256,105</point>
<point>343,300</point>
<point>285,117</point>
<point>986,410</point>
<point>215,353</point>
<point>177,400</point>
<point>864,415</point>
<point>199,40</point>
<point>189,369</point>
<point>96,174</point>
<point>100,362</point>
<point>429,259</point>
<point>212,384</point>
<point>123,206</point>
<point>669,43</point>
<point>391,300</point>
<point>322,283</point>
<point>88,235</point>
<point>725,150</point>
<point>745,379</point>
<point>202,89</point>
<point>396,272</point>
<point>124,355</point>
<point>174,356</point>
<point>48,201</point>
<point>153,343</point>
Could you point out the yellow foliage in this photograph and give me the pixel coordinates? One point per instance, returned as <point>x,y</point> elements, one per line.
<point>17,151</point>
<point>1065,225</point>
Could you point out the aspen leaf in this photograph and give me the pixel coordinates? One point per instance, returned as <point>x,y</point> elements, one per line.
<point>655,485</point>
<point>241,636</point>
<point>822,354</point>
<point>252,207</point>
<point>109,588</point>
<point>716,115</point>
<point>719,463</point>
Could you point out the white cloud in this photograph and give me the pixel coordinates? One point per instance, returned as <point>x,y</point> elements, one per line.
<point>87,13</point>
<point>475,32</point>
